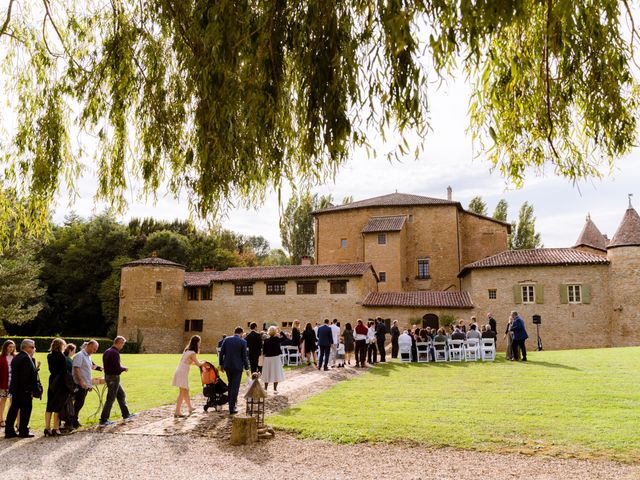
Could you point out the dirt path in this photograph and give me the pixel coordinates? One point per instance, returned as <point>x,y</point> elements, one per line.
<point>157,446</point>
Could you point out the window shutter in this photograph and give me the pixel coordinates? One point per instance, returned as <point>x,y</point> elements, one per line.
<point>586,294</point>
<point>564,294</point>
<point>539,293</point>
<point>517,294</point>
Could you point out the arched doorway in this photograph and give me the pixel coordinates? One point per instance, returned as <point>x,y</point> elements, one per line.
<point>430,320</point>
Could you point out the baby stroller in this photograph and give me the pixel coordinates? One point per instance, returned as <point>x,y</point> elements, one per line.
<point>214,387</point>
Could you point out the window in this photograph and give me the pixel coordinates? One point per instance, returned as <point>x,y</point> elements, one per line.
<point>276,288</point>
<point>343,243</point>
<point>338,286</point>
<point>287,324</point>
<point>124,320</point>
<point>423,268</point>
<point>193,325</point>
<point>575,293</point>
<point>205,293</point>
<point>307,288</point>
<point>382,276</point>
<point>382,239</point>
<point>158,288</point>
<point>528,295</point>
<point>192,293</point>
<point>493,294</point>
<point>243,288</point>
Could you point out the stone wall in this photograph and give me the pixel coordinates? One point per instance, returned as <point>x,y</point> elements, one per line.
<point>564,325</point>
<point>435,232</point>
<point>624,283</point>
<point>226,310</point>
<point>154,316</point>
<point>386,258</point>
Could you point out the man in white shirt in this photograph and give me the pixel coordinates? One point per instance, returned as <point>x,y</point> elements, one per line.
<point>335,330</point>
<point>82,366</point>
<point>404,343</point>
<point>372,350</point>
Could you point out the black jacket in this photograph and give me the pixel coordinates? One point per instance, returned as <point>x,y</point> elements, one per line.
<point>254,343</point>
<point>23,375</point>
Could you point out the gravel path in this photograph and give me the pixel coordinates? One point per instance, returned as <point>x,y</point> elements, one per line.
<point>156,446</point>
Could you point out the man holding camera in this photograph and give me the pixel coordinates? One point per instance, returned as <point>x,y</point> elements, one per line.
<point>82,366</point>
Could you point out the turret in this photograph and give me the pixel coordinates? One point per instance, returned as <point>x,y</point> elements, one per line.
<point>151,304</point>
<point>591,240</point>
<point>623,252</point>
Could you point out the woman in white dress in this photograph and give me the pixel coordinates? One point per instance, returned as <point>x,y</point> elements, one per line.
<point>181,376</point>
<point>272,371</point>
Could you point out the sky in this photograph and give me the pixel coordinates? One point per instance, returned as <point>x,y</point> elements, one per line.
<point>448,159</point>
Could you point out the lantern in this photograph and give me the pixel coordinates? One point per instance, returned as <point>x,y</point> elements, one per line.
<point>255,400</point>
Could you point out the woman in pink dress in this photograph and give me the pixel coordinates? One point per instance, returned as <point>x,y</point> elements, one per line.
<point>181,376</point>
<point>6,355</point>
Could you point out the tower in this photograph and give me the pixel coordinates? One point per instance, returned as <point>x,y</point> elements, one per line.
<point>151,304</point>
<point>623,251</point>
<point>591,240</point>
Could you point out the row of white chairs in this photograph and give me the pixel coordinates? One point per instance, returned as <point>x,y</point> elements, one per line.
<point>470,350</point>
<point>290,356</point>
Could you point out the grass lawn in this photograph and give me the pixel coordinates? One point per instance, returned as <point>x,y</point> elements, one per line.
<point>583,403</point>
<point>147,385</point>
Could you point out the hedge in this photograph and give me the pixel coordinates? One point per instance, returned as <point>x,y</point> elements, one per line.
<point>43,343</point>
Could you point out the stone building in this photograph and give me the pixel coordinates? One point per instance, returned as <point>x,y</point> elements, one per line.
<point>419,260</point>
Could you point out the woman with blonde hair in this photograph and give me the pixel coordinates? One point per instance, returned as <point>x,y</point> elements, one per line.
<point>57,392</point>
<point>181,375</point>
<point>6,355</point>
<point>272,371</point>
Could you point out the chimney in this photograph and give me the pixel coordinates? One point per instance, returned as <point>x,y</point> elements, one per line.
<point>449,193</point>
<point>305,260</point>
<point>208,269</point>
<point>154,253</point>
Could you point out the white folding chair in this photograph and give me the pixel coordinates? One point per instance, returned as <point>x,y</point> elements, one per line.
<point>440,351</point>
<point>488,349</point>
<point>284,356</point>
<point>456,350</point>
<point>422,349</point>
<point>293,356</point>
<point>472,350</point>
<point>405,353</point>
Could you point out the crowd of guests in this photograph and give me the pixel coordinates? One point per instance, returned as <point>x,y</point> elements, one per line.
<point>70,379</point>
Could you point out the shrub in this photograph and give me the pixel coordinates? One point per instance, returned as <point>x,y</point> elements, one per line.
<point>43,343</point>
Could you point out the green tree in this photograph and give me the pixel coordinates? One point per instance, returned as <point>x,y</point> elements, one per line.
<point>500,212</point>
<point>477,205</point>
<point>168,245</point>
<point>276,256</point>
<point>296,227</point>
<point>109,295</point>
<point>21,294</point>
<point>226,99</point>
<point>76,260</point>
<point>523,232</point>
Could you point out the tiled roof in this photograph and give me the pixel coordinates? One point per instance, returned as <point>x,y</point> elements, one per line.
<point>537,257</point>
<point>286,272</point>
<point>428,298</point>
<point>591,236</point>
<point>153,261</point>
<point>628,233</point>
<point>390,200</point>
<point>384,224</point>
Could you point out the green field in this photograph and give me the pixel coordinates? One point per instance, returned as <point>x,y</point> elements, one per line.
<point>147,384</point>
<point>583,403</point>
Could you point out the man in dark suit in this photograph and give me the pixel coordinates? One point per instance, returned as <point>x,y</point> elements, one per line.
<point>233,359</point>
<point>381,332</point>
<point>254,342</point>
<point>22,388</point>
<point>519,337</point>
<point>325,339</point>
<point>492,323</point>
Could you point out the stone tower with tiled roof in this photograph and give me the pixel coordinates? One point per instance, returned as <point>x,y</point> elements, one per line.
<point>591,240</point>
<point>623,252</point>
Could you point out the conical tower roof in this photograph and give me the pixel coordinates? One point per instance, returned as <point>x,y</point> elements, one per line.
<point>628,233</point>
<point>591,236</point>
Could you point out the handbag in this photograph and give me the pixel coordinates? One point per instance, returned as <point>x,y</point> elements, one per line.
<point>38,391</point>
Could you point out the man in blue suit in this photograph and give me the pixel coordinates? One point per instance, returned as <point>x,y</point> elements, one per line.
<point>325,339</point>
<point>233,359</point>
<point>519,336</point>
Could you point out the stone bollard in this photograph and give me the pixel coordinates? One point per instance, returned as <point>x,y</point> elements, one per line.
<point>244,430</point>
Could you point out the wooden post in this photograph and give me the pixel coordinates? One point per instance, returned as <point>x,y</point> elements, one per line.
<point>244,430</point>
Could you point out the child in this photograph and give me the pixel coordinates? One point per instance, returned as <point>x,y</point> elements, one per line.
<point>340,355</point>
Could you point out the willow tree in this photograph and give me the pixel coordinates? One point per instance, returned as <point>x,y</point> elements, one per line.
<point>225,99</point>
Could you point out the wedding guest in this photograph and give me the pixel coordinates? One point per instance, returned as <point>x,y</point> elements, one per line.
<point>349,342</point>
<point>57,392</point>
<point>310,343</point>
<point>272,371</point>
<point>181,375</point>
<point>6,356</point>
